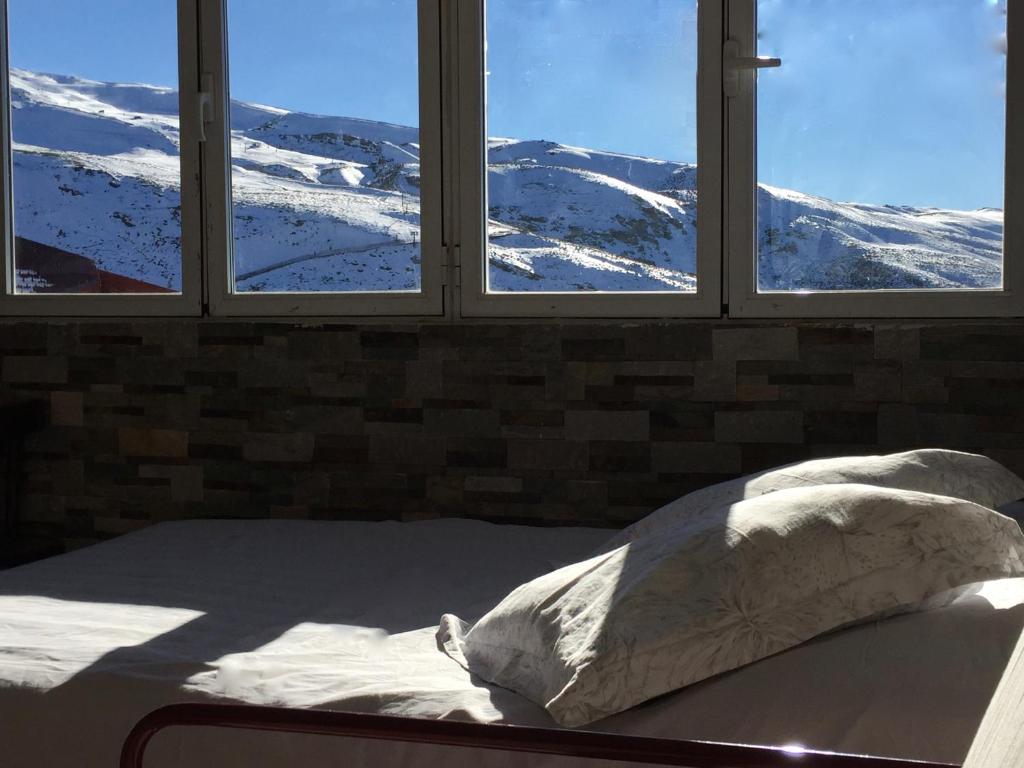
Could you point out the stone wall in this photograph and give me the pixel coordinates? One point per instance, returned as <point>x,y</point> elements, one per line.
<point>554,423</point>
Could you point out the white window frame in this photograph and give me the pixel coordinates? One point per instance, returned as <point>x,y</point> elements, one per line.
<point>472,191</point>
<point>745,301</point>
<point>454,205</point>
<point>223,300</point>
<point>186,303</point>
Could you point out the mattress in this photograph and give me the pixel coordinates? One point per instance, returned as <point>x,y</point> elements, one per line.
<point>342,616</point>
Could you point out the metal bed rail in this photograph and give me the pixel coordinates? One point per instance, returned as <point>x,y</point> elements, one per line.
<point>509,738</point>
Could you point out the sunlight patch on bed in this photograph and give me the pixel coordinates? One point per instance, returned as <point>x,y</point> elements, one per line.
<point>34,635</point>
<point>263,673</point>
<point>313,664</point>
<point>1001,594</point>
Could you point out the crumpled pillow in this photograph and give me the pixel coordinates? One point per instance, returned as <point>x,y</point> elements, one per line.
<point>947,473</point>
<point>714,593</point>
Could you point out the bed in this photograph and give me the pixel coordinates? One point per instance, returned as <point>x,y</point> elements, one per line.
<point>343,615</point>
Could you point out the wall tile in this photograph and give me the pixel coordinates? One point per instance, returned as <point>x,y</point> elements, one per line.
<point>543,422</point>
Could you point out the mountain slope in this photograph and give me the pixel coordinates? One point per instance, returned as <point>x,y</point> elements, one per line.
<point>332,204</point>
<point>810,243</point>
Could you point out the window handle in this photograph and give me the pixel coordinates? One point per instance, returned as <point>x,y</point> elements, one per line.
<point>205,105</point>
<point>733,64</point>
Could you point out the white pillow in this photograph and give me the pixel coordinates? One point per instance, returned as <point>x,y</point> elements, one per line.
<point>707,596</point>
<point>947,473</point>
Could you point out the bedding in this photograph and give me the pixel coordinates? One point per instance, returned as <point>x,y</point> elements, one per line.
<point>710,595</point>
<point>343,616</point>
<point>946,473</point>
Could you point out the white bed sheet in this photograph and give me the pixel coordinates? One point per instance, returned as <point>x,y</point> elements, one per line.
<point>342,616</point>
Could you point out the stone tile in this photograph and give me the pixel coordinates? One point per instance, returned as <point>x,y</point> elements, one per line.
<point>493,484</point>
<point>758,457</point>
<point>270,447</point>
<point>445,492</point>
<point>62,477</point>
<point>714,381</point>
<point>607,425</point>
<point>996,343</point>
<point>617,457</point>
<point>34,369</point>
<point>830,427</point>
<point>759,427</point>
<point>611,348</point>
<point>341,449</point>
<point>420,450</point>
<point>898,342</point>
<point>587,492</point>
<point>666,342</point>
<point>163,443</point>
<point>465,422</point>
<point>425,379</point>
<point>951,429</point>
<point>680,422</point>
<point>476,452</point>
<point>66,409</point>
<point>878,384</point>
<point>186,481</point>
<point>836,342</point>
<point>751,389</point>
<point>897,426</point>
<point>696,458</point>
<point>117,526</point>
<point>733,344</point>
<point>547,454</point>
<point>389,345</point>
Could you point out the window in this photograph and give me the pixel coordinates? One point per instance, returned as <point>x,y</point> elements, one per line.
<point>512,158</point>
<point>879,148</point>
<point>569,208</point>
<point>93,178</point>
<point>332,137</point>
<point>325,188</point>
<point>582,200</point>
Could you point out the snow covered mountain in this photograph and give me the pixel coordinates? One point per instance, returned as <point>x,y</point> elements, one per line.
<point>332,204</point>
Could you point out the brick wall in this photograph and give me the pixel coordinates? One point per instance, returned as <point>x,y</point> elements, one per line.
<point>542,422</point>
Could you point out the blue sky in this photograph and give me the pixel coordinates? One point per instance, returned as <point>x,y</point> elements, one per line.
<point>878,101</point>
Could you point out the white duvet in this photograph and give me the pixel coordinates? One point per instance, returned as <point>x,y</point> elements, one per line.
<point>343,615</point>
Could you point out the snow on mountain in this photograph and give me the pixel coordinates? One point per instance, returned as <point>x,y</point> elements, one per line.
<point>332,204</point>
<point>585,220</point>
<point>97,178</point>
<point>810,243</point>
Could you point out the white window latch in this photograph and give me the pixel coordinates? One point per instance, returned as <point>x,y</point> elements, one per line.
<point>205,106</point>
<point>733,64</point>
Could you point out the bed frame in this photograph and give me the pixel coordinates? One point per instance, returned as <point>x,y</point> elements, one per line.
<point>509,738</point>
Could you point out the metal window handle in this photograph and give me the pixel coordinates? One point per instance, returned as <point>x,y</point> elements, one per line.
<point>205,105</point>
<point>733,64</point>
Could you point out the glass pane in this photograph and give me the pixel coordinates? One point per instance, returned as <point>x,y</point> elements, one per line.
<point>592,185</point>
<point>881,144</point>
<point>325,145</point>
<point>97,170</point>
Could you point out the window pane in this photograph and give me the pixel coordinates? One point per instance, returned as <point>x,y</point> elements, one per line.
<point>325,145</point>
<point>97,170</point>
<point>881,144</point>
<point>592,185</point>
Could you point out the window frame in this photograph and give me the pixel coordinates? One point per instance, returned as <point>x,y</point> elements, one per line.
<point>454,197</point>
<point>472,194</point>
<point>743,299</point>
<point>219,241</point>
<point>186,303</point>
